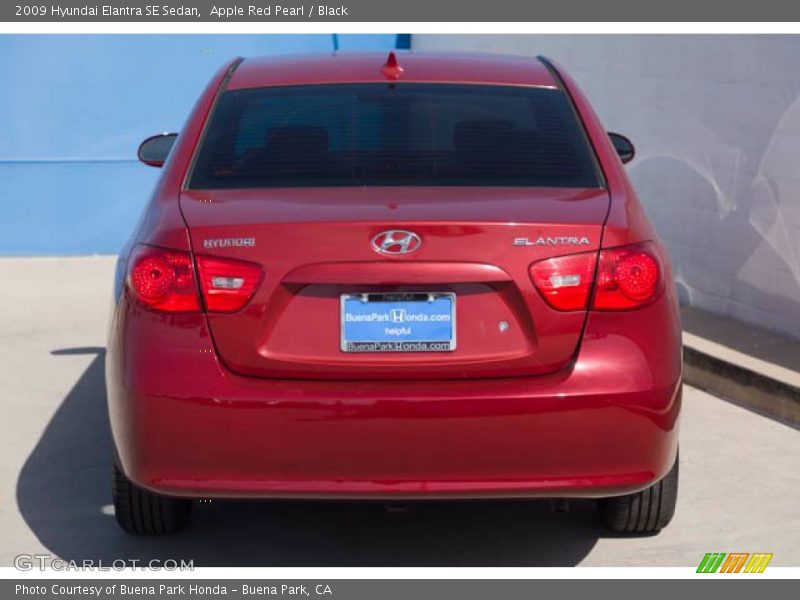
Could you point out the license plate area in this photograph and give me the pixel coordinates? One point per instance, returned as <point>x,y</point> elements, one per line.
<point>398,322</point>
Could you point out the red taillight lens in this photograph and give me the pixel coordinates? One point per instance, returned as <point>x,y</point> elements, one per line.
<point>628,277</point>
<point>227,285</point>
<point>162,279</point>
<point>565,281</point>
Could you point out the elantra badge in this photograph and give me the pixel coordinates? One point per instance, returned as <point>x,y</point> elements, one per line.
<point>552,241</point>
<point>396,241</point>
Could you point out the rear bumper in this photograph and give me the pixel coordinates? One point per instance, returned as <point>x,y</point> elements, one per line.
<point>184,425</point>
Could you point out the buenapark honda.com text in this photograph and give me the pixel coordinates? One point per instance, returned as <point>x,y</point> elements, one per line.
<point>43,562</point>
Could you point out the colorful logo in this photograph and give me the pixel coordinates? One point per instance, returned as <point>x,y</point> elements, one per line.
<point>734,562</point>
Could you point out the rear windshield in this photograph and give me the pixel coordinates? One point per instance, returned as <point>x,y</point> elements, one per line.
<point>393,135</point>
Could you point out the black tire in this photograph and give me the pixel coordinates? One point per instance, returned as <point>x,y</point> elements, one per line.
<point>647,511</point>
<point>144,513</point>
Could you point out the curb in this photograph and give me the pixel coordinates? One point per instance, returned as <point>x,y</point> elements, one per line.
<point>744,387</point>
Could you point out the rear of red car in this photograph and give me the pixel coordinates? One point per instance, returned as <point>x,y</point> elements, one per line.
<point>365,282</point>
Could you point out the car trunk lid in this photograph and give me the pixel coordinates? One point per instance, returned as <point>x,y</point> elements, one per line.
<point>316,246</point>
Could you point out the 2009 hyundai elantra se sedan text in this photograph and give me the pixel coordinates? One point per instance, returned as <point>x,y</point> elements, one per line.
<point>393,278</point>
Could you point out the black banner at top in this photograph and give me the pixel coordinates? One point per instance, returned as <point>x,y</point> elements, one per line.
<point>398,10</point>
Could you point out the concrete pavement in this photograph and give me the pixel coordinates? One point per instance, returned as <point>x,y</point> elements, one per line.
<point>739,489</point>
<point>745,364</point>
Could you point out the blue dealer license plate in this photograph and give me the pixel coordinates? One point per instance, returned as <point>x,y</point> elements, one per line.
<point>398,322</point>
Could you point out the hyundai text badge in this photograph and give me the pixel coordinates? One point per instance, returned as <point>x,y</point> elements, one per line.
<point>396,241</point>
<point>237,242</point>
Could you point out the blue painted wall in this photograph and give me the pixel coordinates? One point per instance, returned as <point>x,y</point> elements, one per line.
<point>73,110</point>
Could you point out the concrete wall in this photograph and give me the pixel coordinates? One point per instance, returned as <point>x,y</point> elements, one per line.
<point>716,123</point>
<point>73,110</point>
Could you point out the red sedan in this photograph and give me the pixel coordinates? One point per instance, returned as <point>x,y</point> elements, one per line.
<point>414,277</point>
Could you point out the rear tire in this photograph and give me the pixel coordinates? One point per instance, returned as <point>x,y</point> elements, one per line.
<point>647,511</point>
<point>144,513</point>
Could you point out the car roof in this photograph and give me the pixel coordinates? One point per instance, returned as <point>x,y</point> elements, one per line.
<point>343,67</point>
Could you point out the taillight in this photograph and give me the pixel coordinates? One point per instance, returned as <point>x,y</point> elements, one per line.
<point>227,285</point>
<point>164,280</point>
<point>565,281</point>
<point>627,277</point>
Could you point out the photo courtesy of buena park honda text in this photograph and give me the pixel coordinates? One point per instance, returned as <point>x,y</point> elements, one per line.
<point>392,299</point>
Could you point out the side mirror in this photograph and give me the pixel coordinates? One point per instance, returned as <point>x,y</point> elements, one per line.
<point>155,149</point>
<point>623,146</point>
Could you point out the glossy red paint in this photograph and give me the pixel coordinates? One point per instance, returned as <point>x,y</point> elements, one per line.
<point>271,337</point>
<point>368,67</point>
<point>564,403</point>
<point>186,425</point>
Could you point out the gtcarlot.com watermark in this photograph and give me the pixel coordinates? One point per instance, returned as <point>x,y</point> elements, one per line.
<point>42,562</point>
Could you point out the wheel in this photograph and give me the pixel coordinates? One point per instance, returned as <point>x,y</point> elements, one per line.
<point>144,513</point>
<point>647,511</point>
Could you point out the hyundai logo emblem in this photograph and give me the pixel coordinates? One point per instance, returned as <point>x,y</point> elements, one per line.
<point>396,241</point>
